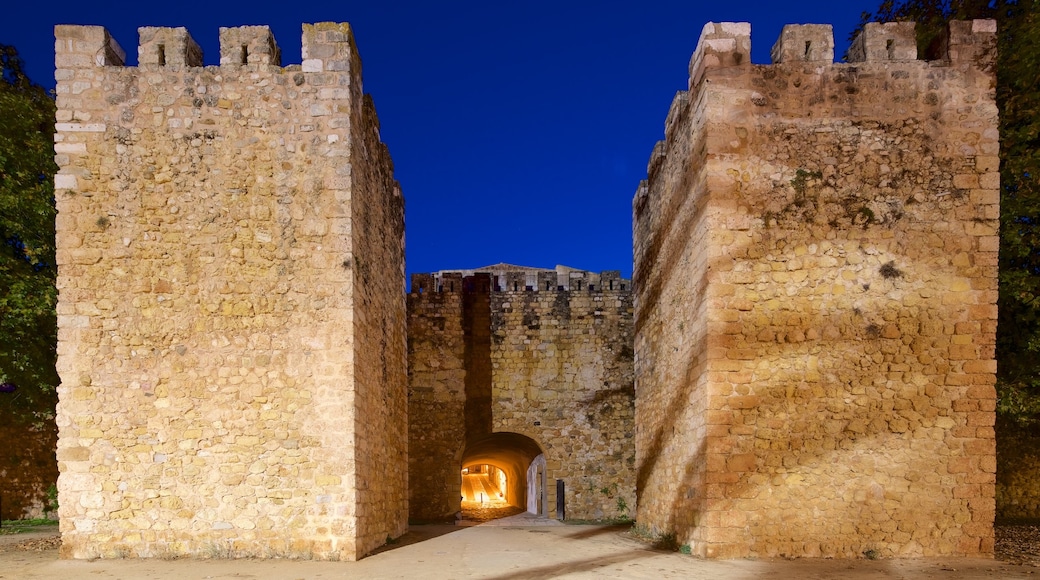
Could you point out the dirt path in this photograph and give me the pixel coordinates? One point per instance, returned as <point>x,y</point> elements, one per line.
<point>503,552</point>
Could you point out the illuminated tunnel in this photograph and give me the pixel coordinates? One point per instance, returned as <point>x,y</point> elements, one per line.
<point>521,459</point>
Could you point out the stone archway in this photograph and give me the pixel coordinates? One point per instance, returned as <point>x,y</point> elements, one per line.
<point>521,459</point>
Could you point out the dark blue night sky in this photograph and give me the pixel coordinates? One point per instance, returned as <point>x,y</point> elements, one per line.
<point>519,131</point>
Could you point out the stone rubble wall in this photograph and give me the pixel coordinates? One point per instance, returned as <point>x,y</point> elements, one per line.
<point>561,375</point>
<point>815,264</point>
<point>1018,473</point>
<point>28,469</point>
<point>436,404</point>
<point>231,326</point>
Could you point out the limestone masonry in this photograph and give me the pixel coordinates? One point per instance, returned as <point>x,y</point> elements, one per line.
<point>802,365</point>
<point>231,314</point>
<point>528,370</point>
<point>816,287</point>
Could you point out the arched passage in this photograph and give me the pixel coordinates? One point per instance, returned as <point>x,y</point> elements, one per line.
<point>515,455</point>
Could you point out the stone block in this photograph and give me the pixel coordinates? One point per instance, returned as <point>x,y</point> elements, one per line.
<point>804,43</point>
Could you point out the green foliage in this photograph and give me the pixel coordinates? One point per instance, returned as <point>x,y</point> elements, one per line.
<point>28,333</point>
<point>1018,99</point>
<point>1018,96</point>
<point>24,526</point>
<point>52,498</point>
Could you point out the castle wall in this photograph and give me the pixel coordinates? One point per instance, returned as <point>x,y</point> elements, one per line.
<point>816,259</point>
<point>561,375</point>
<point>436,404</point>
<point>231,327</point>
<point>28,469</point>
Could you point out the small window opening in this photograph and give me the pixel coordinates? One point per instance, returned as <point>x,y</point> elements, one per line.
<point>890,46</point>
<point>245,54</point>
<point>808,48</point>
<point>451,287</point>
<point>528,288</point>
<point>560,288</point>
<point>592,287</point>
<point>579,285</point>
<point>162,55</point>
<point>440,288</point>
<point>622,287</point>
<point>548,286</point>
<point>611,284</point>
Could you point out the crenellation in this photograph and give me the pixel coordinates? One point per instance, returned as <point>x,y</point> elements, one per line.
<point>245,45</point>
<point>329,46</point>
<point>657,157</point>
<point>161,46</point>
<point>505,278</point>
<point>676,110</point>
<point>804,43</point>
<point>721,45</point>
<point>883,42</point>
<point>85,47</point>
<point>547,281</point>
<point>972,43</point>
<point>423,283</point>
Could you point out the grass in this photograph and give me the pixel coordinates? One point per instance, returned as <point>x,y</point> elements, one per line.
<point>8,527</point>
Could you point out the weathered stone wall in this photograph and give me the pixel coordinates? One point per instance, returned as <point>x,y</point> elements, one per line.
<point>1018,473</point>
<point>816,286</point>
<point>27,469</point>
<point>436,404</point>
<point>561,375</point>
<point>231,324</point>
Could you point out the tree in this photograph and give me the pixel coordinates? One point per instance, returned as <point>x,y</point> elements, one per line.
<point>1018,99</point>
<point>28,324</point>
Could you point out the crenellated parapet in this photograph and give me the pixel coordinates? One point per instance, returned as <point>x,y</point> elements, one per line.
<point>327,47</point>
<point>505,278</point>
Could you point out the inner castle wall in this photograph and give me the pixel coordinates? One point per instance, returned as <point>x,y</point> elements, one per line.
<point>504,354</point>
<point>231,313</point>
<point>815,272</point>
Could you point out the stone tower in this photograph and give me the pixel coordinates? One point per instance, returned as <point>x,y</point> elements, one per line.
<point>231,315</point>
<point>815,273</point>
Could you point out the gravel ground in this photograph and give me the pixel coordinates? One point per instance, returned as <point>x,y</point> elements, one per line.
<point>1018,544</point>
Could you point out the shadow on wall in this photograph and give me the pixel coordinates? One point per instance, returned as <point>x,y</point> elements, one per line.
<point>825,426</point>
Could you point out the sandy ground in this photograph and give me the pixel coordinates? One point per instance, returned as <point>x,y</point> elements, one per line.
<point>511,548</point>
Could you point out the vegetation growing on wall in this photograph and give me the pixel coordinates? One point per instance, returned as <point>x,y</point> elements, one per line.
<point>1018,97</point>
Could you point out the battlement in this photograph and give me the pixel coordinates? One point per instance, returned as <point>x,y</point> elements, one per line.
<point>728,44</point>
<point>520,280</point>
<point>327,46</point>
